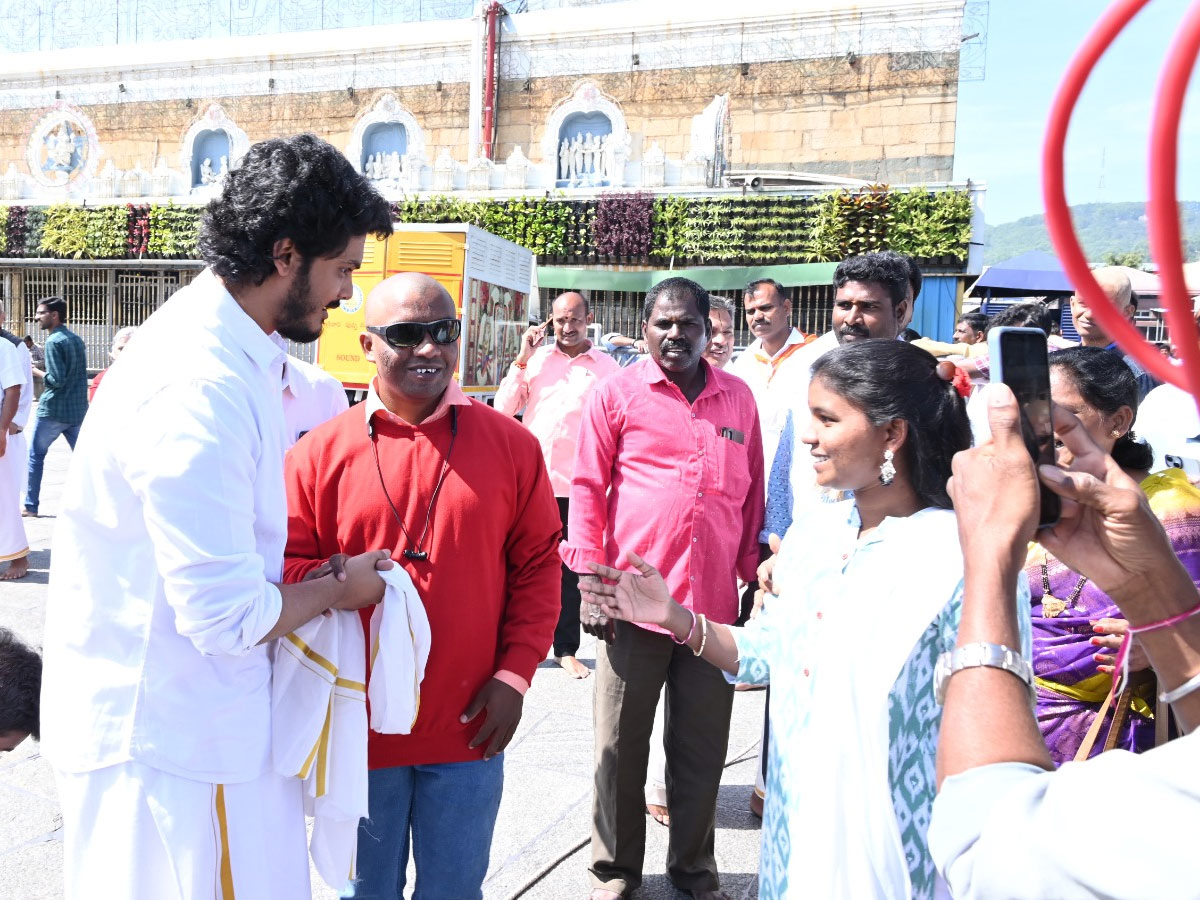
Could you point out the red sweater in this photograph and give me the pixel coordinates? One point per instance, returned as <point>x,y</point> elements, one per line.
<point>491,583</point>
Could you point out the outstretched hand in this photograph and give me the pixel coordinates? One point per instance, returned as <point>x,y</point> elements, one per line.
<point>640,596</point>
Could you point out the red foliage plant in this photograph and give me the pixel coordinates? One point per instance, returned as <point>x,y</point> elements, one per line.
<point>622,224</point>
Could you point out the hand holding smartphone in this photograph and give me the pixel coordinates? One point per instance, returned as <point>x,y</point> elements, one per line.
<point>1019,358</point>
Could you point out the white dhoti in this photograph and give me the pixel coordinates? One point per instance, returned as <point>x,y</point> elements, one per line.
<point>131,832</point>
<point>13,543</point>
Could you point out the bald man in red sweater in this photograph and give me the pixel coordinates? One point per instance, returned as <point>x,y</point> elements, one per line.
<point>462,493</point>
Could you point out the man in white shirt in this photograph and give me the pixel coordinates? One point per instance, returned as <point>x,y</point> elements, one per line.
<point>169,547</point>
<point>762,365</point>
<point>16,396</point>
<point>311,396</point>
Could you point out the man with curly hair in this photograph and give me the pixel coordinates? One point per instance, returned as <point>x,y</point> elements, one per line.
<point>165,585</point>
<point>20,687</point>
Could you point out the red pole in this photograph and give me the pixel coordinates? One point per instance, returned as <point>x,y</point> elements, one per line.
<point>489,84</point>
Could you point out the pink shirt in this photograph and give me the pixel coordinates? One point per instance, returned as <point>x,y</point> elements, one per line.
<point>656,476</point>
<point>552,389</point>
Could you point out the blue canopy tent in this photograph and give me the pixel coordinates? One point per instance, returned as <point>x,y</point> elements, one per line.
<point>1032,274</point>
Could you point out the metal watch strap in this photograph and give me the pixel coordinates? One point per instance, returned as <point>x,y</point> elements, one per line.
<point>969,656</point>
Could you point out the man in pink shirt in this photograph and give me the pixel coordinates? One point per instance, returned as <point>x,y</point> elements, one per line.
<point>669,465</point>
<point>551,384</point>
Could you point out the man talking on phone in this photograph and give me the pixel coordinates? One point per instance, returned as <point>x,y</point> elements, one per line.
<point>551,383</point>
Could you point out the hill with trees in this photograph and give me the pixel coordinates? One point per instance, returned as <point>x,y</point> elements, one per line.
<point>1109,232</point>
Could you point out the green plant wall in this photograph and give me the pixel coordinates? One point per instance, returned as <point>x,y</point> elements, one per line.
<point>626,228</point>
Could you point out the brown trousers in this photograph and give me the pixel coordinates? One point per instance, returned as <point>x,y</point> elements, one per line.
<point>630,675</point>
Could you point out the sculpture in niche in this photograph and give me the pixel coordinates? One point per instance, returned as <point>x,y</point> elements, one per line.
<point>393,166</point>
<point>207,176</point>
<point>224,170</point>
<point>576,173</point>
<point>589,158</point>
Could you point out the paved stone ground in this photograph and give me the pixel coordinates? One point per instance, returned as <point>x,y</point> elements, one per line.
<point>540,848</point>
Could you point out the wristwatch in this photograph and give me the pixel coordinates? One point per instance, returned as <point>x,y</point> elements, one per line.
<point>969,656</point>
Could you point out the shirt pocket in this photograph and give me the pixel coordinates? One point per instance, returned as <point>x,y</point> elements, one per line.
<point>728,470</point>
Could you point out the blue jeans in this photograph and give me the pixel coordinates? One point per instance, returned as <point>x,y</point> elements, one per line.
<point>451,810</point>
<point>45,431</point>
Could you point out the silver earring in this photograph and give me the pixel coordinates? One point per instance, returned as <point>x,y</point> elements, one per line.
<point>887,471</point>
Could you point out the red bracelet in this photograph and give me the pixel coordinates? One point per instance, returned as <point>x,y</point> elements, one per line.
<point>519,365</point>
<point>1120,668</point>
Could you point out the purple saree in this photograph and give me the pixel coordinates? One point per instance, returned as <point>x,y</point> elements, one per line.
<point>1069,689</point>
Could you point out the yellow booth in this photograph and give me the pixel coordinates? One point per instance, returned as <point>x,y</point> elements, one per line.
<point>490,279</point>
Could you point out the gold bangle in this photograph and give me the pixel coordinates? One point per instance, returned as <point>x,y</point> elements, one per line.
<point>703,633</point>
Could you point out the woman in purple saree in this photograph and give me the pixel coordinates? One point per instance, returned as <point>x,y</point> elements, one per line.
<point>1076,627</point>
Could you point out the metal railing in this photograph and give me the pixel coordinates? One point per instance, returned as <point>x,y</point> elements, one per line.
<point>101,299</point>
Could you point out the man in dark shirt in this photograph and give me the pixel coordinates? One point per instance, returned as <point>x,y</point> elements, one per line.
<point>64,400</point>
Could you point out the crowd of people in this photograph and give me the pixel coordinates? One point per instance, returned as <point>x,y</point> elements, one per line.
<point>847,517</point>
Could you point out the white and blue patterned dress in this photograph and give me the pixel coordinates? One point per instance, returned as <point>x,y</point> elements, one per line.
<point>849,648</point>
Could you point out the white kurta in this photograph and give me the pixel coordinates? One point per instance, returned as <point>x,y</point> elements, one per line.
<point>1000,831</point>
<point>169,539</point>
<point>13,374</point>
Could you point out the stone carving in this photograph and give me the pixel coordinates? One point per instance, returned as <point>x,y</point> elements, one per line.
<point>207,175</point>
<point>106,181</point>
<point>516,167</point>
<point>654,167</point>
<point>213,118</point>
<point>565,153</point>
<point>479,174</point>
<point>11,184</point>
<point>162,177</point>
<point>385,166</point>
<point>133,182</point>
<point>709,131</point>
<point>63,149</point>
<point>443,172</point>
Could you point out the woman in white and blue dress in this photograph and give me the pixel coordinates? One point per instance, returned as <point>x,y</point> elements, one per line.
<point>867,595</point>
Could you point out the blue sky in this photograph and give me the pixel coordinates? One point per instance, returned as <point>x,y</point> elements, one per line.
<point>1001,119</point>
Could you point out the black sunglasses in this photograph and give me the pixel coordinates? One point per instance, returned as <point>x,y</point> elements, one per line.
<point>410,334</point>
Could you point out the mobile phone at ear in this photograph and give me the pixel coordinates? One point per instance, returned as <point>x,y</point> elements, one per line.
<point>1019,358</point>
<point>1191,467</point>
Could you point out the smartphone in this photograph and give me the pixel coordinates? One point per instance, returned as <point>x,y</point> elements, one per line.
<point>1019,358</point>
<point>1190,467</point>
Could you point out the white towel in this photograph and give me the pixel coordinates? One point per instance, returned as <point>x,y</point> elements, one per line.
<point>319,733</point>
<point>319,715</point>
<point>399,650</point>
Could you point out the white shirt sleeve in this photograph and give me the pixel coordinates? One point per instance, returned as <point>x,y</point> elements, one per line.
<point>1015,831</point>
<point>12,373</point>
<point>194,471</point>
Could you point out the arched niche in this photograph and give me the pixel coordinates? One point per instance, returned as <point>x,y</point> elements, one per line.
<point>212,135</point>
<point>387,127</point>
<point>210,156</point>
<point>583,161</point>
